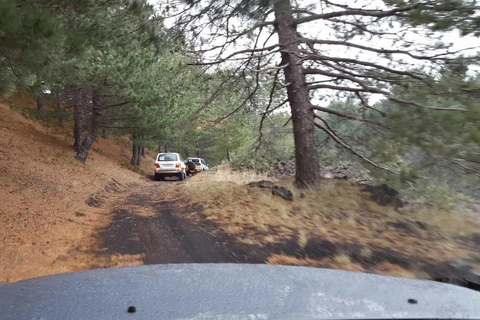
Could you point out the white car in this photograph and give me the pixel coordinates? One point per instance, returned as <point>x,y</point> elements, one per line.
<point>201,163</point>
<point>169,165</point>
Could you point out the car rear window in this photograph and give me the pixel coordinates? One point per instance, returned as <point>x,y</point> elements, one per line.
<point>168,157</point>
<point>197,161</point>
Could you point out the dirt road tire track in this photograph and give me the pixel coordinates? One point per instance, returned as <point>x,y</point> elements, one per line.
<point>166,237</point>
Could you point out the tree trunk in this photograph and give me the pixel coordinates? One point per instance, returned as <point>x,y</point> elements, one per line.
<point>105,134</point>
<point>166,147</point>
<point>142,151</point>
<point>40,110</point>
<point>306,158</point>
<point>139,159</point>
<point>59,112</point>
<point>225,134</point>
<point>135,155</point>
<point>86,141</point>
<point>77,117</point>
<point>60,115</point>
<point>40,105</point>
<point>136,151</point>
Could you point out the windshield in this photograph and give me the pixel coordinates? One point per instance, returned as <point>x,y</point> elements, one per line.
<point>167,157</point>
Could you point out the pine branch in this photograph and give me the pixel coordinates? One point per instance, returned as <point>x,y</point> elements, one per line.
<point>387,51</point>
<point>356,12</point>
<point>346,146</point>
<point>343,115</point>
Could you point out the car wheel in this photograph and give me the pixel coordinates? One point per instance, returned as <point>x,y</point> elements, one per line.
<point>181,176</point>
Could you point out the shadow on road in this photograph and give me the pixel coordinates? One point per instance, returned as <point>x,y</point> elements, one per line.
<point>169,236</point>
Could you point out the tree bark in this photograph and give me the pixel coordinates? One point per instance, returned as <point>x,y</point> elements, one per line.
<point>139,159</point>
<point>77,117</point>
<point>136,151</point>
<point>40,109</point>
<point>86,141</point>
<point>225,134</point>
<point>134,159</point>
<point>142,151</point>
<point>60,114</point>
<point>306,158</point>
<point>40,105</point>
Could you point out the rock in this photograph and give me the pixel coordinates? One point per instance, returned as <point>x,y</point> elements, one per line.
<point>403,226</point>
<point>421,225</point>
<point>384,195</point>
<point>94,201</point>
<point>112,187</point>
<point>276,190</point>
<point>282,192</point>
<point>262,184</point>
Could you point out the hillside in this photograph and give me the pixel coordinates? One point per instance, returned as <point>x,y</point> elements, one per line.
<point>47,226</point>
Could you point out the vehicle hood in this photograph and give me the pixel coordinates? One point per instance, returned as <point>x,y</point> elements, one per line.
<point>232,291</point>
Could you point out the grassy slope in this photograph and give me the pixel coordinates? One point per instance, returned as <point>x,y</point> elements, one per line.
<point>47,227</point>
<point>365,235</point>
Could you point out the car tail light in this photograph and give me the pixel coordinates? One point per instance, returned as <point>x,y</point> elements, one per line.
<point>157,165</point>
<point>177,165</point>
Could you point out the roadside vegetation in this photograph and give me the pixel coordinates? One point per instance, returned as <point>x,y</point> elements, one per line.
<point>337,226</point>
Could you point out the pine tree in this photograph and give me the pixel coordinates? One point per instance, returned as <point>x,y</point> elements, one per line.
<point>311,65</point>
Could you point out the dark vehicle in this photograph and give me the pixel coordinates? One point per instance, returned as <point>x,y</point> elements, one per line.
<point>191,167</point>
<point>232,291</point>
<point>201,163</point>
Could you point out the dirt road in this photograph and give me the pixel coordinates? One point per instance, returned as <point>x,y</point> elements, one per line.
<point>159,224</point>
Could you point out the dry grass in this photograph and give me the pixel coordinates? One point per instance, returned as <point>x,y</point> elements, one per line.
<point>341,262</point>
<point>338,211</point>
<point>394,270</point>
<point>226,174</point>
<point>46,226</point>
<point>292,261</point>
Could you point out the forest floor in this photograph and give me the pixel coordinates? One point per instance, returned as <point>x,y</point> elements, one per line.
<point>57,215</point>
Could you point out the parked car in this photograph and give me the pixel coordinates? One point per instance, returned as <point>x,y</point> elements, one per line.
<point>169,165</point>
<point>201,163</point>
<point>191,167</point>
